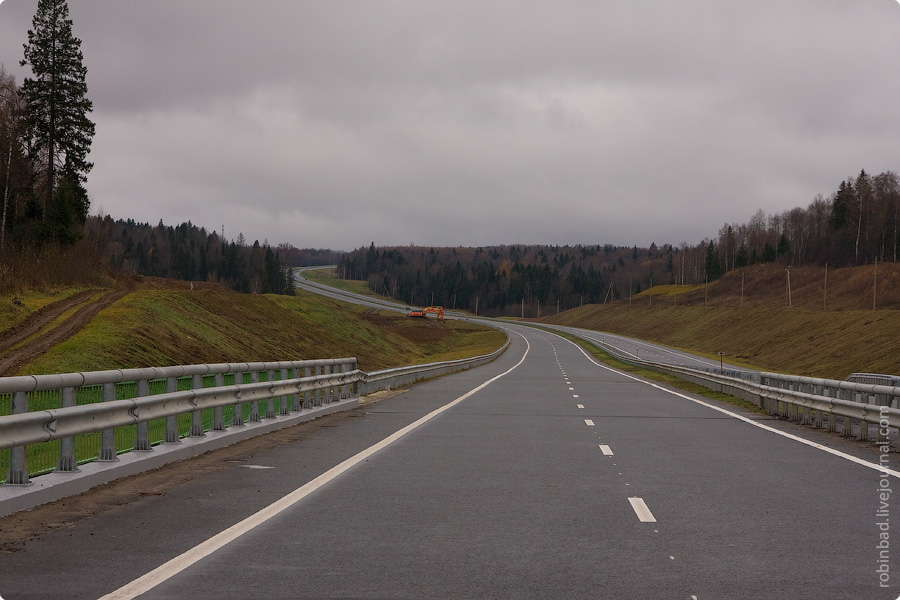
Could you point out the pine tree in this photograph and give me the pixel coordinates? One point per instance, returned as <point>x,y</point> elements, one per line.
<point>59,107</point>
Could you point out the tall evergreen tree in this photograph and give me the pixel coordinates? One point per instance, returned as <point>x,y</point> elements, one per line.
<point>59,107</point>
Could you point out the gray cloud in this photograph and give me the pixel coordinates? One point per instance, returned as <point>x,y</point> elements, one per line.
<point>472,123</point>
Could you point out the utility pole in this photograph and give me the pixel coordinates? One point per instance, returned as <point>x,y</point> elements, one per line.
<point>875,288</point>
<point>790,303</point>
<point>523,308</point>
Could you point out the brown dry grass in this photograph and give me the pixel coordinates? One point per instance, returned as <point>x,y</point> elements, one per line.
<point>804,339</point>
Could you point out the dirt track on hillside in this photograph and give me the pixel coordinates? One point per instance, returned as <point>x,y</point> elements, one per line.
<point>13,356</point>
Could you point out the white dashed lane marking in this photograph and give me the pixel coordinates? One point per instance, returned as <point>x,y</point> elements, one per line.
<point>640,508</point>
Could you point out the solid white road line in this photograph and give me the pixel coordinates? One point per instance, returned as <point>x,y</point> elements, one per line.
<point>204,549</point>
<point>790,436</point>
<point>640,508</point>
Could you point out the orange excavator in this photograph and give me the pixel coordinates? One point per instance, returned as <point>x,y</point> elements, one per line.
<point>423,314</point>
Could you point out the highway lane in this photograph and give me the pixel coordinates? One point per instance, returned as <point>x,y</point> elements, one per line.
<point>526,488</point>
<point>638,348</point>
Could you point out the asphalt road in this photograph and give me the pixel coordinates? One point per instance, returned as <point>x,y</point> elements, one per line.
<point>559,478</point>
<point>638,348</point>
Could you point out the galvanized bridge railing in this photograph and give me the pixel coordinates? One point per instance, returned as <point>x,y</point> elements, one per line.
<point>163,404</point>
<point>54,423</point>
<point>806,400</point>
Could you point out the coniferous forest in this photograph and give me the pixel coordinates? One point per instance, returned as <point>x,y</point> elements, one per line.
<point>857,224</point>
<point>47,237</point>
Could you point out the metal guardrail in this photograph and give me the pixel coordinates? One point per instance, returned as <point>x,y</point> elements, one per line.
<point>189,401</point>
<point>45,408</point>
<point>806,400</point>
<point>393,378</point>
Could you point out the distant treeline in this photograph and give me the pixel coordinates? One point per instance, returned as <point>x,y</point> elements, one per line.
<point>857,224</point>
<point>112,248</point>
<point>191,253</point>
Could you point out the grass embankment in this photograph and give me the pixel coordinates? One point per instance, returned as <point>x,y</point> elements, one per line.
<point>176,325</point>
<point>829,344</point>
<point>822,325</point>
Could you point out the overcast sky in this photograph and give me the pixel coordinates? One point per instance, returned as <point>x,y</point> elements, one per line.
<point>335,123</point>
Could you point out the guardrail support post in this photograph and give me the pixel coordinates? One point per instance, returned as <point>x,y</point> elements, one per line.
<point>197,415</point>
<point>270,401</point>
<point>329,391</point>
<point>67,462</point>
<point>354,387</point>
<point>287,402</point>
<point>862,434</point>
<point>237,415</point>
<point>108,436</point>
<point>307,396</point>
<point>18,462</point>
<point>218,423</point>
<point>254,405</point>
<point>318,392</point>
<point>142,440</point>
<point>295,398</point>
<point>172,436</point>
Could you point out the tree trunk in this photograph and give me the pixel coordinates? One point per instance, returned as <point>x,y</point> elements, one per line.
<point>5,200</point>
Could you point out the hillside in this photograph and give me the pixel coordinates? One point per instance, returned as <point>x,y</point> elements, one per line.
<point>823,333</point>
<point>161,322</point>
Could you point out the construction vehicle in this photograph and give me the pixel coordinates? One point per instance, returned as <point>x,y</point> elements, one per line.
<point>423,314</point>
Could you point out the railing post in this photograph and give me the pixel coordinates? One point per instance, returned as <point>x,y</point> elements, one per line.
<point>254,405</point>
<point>862,433</point>
<point>18,463</point>
<point>67,463</point>
<point>307,396</point>
<point>270,401</point>
<point>172,436</point>
<point>847,428</point>
<point>197,415</point>
<point>354,387</point>
<point>108,436</point>
<point>287,402</point>
<point>329,391</point>
<point>237,415</point>
<point>318,392</point>
<point>344,388</point>
<point>142,440</point>
<point>218,412</point>
<point>295,398</point>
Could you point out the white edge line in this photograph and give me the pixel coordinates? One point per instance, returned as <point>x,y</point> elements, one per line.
<point>183,561</point>
<point>790,436</point>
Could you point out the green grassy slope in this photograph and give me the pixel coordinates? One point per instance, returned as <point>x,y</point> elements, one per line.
<point>174,325</point>
<point>829,344</point>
